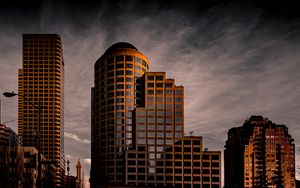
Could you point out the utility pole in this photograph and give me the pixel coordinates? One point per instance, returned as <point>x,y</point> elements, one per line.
<point>68,177</point>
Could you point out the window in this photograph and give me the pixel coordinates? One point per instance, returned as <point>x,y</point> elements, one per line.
<point>150,106</point>
<point>141,120</point>
<point>178,92</point>
<point>150,84</point>
<point>169,85</point>
<point>129,100</point>
<point>178,113</point>
<point>178,99</point>
<point>120,93</point>
<point>128,72</point>
<point>169,99</point>
<point>159,99</point>
<point>178,135</point>
<point>150,77</point>
<point>141,127</point>
<point>129,93</point>
<point>129,58</point>
<point>120,100</point>
<point>128,86</point>
<point>150,92</point>
<point>150,134</point>
<point>137,67</point>
<point>159,77</point>
<point>120,65</point>
<point>120,79</point>
<point>150,99</point>
<point>128,79</point>
<point>178,128</point>
<point>151,127</point>
<point>159,106</point>
<point>178,120</point>
<point>160,120</point>
<point>144,63</point>
<point>160,113</point>
<point>138,60</point>
<point>159,92</point>
<point>168,127</point>
<point>151,120</point>
<point>120,72</point>
<point>168,113</point>
<point>120,58</point>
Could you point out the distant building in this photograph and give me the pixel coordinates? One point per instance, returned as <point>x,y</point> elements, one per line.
<point>31,172</point>
<point>11,154</point>
<point>138,128</point>
<point>8,137</point>
<point>259,154</point>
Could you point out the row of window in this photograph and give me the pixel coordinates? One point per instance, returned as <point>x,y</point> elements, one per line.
<point>168,92</point>
<point>159,127</point>
<point>121,58</point>
<point>141,120</point>
<point>142,113</point>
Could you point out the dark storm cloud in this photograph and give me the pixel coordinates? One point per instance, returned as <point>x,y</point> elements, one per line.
<point>234,58</point>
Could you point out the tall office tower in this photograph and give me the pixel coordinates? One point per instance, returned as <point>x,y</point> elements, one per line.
<point>114,97</point>
<point>259,154</point>
<point>137,119</point>
<point>158,125</point>
<point>41,80</point>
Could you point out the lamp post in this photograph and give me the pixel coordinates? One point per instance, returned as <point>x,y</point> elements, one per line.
<point>12,94</point>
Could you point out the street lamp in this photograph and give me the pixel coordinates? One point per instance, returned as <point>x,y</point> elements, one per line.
<point>12,94</point>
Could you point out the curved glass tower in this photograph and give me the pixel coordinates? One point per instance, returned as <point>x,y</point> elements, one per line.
<point>114,97</point>
<point>138,128</point>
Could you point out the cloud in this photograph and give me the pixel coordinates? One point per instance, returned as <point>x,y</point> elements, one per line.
<point>233,59</point>
<point>76,138</point>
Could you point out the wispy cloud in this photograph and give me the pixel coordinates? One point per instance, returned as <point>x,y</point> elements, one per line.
<point>233,60</point>
<point>76,138</point>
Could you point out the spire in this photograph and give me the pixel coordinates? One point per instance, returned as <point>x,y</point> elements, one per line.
<point>78,165</point>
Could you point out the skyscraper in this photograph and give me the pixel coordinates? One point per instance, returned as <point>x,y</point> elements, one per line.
<point>259,154</point>
<point>41,80</point>
<point>114,97</point>
<point>137,122</point>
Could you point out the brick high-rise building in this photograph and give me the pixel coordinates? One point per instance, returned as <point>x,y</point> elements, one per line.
<point>41,80</point>
<point>259,154</point>
<point>138,127</point>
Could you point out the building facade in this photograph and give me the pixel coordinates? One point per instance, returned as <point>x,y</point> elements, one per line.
<point>41,82</point>
<point>114,98</point>
<point>259,154</point>
<point>137,122</point>
<point>30,174</point>
<point>11,155</point>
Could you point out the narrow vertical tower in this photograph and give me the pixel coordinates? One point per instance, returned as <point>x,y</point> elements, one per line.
<point>41,79</point>
<point>78,174</point>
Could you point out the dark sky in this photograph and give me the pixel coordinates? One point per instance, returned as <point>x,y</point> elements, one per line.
<point>235,58</point>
